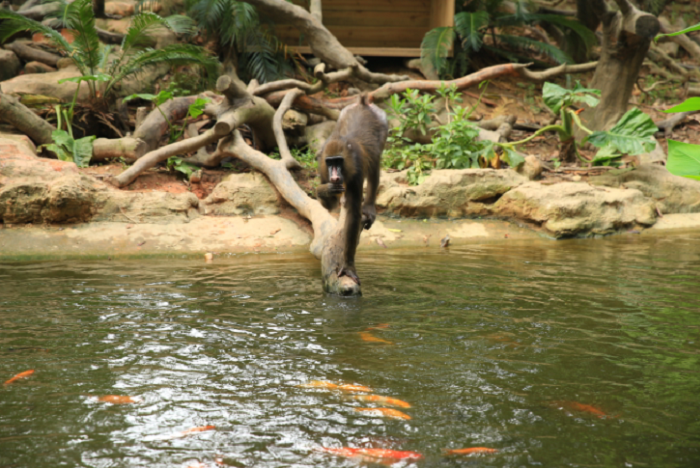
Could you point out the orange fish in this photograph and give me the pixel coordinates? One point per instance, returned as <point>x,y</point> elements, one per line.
<point>319,384</point>
<point>380,326</point>
<point>576,406</point>
<point>388,412</point>
<point>470,451</point>
<point>354,388</point>
<point>367,336</point>
<point>118,399</point>
<point>382,400</point>
<point>198,429</point>
<point>372,454</point>
<point>21,375</point>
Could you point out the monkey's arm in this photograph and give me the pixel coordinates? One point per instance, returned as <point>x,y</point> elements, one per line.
<point>328,195</point>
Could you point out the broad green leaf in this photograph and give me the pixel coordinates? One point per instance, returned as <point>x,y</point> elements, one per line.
<point>689,105</point>
<point>512,157</point>
<point>78,79</point>
<point>633,134</point>
<point>678,33</point>
<point>555,97</point>
<point>82,151</point>
<point>683,159</point>
<point>68,149</point>
<point>197,107</point>
<point>605,156</point>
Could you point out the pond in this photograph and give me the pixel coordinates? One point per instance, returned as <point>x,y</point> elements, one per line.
<point>575,353</point>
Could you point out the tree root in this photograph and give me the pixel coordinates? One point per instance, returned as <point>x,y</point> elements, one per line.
<point>556,71</point>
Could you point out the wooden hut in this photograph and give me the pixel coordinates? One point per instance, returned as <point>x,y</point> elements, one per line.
<point>392,28</point>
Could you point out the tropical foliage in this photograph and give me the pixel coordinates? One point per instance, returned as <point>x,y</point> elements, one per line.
<point>490,19</point>
<point>684,158</point>
<point>237,29</point>
<point>101,62</point>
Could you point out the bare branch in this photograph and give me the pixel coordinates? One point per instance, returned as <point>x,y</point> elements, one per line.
<point>285,154</point>
<point>556,71</point>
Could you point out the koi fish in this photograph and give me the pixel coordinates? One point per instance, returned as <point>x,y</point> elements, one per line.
<point>319,384</point>
<point>470,451</point>
<point>380,326</point>
<point>181,434</point>
<point>576,406</point>
<point>372,454</point>
<point>388,412</point>
<point>21,375</point>
<point>354,388</point>
<point>382,400</point>
<point>118,399</point>
<point>367,336</point>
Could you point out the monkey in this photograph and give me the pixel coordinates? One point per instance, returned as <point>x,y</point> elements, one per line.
<point>351,155</point>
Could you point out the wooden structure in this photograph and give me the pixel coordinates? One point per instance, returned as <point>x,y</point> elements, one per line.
<point>392,28</point>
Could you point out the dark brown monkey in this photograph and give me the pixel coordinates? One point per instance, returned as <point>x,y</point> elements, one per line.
<point>351,155</point>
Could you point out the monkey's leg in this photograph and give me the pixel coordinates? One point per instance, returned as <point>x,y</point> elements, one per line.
<point>369,208</point>
<point>328,195</point>
<point>353,226</point>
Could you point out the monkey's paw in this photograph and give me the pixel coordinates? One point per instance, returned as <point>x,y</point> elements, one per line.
<point>369,214</point>
<point>350,274</point>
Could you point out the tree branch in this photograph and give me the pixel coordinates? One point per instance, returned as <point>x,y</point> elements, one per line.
<point>285,154</point>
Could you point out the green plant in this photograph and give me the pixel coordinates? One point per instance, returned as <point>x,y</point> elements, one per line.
<point>65,146</point>
<point>454,144</point>
<point>178,164</point>
<point>480,18</point>
<point>243,41</point>
<point>684,158</point>
<point>194,110</point>
<point>633,133</point>
<point>93,59</point>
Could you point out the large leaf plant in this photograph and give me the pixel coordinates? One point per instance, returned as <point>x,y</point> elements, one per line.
<point>482,17</point>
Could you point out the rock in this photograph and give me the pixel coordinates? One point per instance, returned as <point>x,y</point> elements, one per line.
<point>242,194</point>
<point>316,135</point>
<point>19,138</point>
<point>65,62</point>
<point>47,84</point>
<point>673,194</point>
<point>453,193</point>
<point>488,135</point>
<point>38,67</point>
<point>114,25</point>
<point>531,168</point>
<point>146,207</point>
<point>119,9</point>
<point>573,209</point>
<point>9,65</point>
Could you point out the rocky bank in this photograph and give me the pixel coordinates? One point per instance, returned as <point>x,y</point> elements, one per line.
<point>51,207</point>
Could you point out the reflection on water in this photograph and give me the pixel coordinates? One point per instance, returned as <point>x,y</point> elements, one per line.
<point>576,353</point>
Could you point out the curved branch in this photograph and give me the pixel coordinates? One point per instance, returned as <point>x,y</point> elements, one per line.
<point>556,71</point>
<point>327,243</point>
<point>149,160</point>
<point>286,155</point>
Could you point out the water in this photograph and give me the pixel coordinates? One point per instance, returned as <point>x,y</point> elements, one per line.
<point>493,346</point>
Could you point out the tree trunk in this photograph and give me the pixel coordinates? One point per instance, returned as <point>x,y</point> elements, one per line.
<point>98,8</point>
<point>627,35</point>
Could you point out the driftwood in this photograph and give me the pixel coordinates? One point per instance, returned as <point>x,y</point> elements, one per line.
<point>40,11</point>
<point>667,125</point>
<point>556,71</point>
<point>329,237</point>
<point>21,117</point>
<point>285,154</point>
<point>32,54</point>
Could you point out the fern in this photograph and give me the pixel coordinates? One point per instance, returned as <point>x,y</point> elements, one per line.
<point>468,26</point>
<point>525,44</point>
<point>14,23</point>
<point>436,47</point>
<point>80,18</point>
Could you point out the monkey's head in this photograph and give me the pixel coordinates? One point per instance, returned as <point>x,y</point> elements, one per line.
<point>335,170</point>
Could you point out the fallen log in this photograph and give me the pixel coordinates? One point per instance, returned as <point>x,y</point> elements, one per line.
<point>32,54</point>
<point>23,119</point>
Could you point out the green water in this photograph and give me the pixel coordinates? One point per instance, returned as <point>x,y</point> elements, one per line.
<point>491,345</point>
